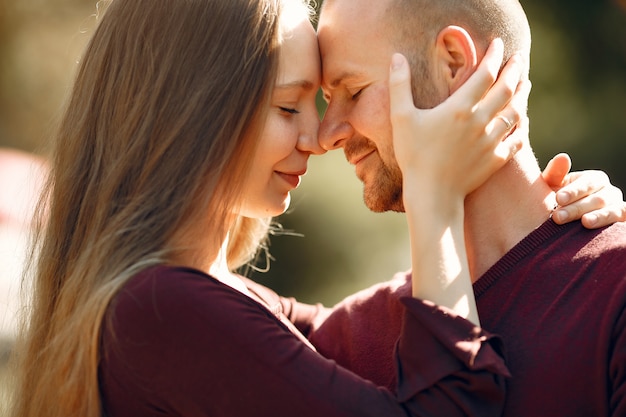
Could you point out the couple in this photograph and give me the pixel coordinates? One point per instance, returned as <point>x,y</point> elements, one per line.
<point>189,124</point>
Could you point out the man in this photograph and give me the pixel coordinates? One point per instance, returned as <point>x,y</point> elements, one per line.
<point>557,294</point>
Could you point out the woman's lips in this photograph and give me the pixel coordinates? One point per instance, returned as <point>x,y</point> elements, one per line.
<point>292,179</point>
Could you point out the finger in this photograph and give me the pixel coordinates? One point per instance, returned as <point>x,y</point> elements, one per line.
<point>508,119</point>
<point>589,204</point>
<point>511,117</point>
<point>508,147</point>
<point>477,85</point>
<point>571,212</point>
<point>581,184</point>
<point>605,216</point>
<point>556,170</point>
<point>400,95</point>
<point>508,83</point>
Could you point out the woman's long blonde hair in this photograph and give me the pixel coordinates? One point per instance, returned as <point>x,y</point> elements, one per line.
<point>157,134</point>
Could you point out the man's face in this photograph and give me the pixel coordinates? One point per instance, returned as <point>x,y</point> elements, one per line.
<point>356,51</point>
<point>355,67</point>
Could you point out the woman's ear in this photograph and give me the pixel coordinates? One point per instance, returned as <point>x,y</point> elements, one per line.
<point>456,55</point>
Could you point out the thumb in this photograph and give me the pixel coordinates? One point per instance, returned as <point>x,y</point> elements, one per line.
<point>556,170</point>
<point>400,95</point>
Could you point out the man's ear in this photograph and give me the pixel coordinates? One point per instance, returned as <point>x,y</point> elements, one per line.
<point>456,55</point>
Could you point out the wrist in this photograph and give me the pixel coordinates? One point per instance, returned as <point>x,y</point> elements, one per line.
<point>431,198</point>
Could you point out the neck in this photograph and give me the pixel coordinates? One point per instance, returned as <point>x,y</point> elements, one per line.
<point>511,204</point>
<point>219,270</point>
<point>219,266</point>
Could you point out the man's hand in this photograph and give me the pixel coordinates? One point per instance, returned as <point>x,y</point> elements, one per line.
<point>586,195</point>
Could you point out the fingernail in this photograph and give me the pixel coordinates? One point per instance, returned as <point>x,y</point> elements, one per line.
<point>559,216</point>
<point>396,61</point>
<point>563,197</point>
<point>592,219</point>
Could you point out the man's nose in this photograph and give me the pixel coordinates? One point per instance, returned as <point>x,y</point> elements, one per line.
<point>334,129</point>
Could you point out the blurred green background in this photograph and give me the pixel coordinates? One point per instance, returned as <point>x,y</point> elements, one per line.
<point>578,105</point>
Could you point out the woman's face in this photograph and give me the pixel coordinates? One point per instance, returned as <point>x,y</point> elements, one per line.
<point>290,133</point>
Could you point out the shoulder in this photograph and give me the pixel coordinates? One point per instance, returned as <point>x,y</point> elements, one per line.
<point>177,298</point>
<point>173,335</point>
<point>598,258</point>
<point>575,241</point>
<point>572,257</point>
<point>167,284</point>
<point>608,242</point>
<point>613,236</point>
<point>167,278</point>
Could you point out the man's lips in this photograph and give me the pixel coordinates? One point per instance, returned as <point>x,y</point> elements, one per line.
<point>354,160</point>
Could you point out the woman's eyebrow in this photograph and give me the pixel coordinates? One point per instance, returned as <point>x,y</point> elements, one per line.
<point>303,84</point>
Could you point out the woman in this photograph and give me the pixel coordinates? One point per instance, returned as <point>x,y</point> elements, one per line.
<point>189,123</point>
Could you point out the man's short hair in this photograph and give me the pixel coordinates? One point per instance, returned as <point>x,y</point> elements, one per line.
<point>415,23</point>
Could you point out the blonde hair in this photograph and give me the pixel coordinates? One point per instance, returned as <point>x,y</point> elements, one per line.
<point>157,134</point>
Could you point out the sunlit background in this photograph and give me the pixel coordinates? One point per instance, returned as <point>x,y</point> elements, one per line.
<point>578,105</point>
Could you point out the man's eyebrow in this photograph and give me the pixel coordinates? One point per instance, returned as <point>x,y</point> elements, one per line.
<point>344,76</point>
<point>303,84</point>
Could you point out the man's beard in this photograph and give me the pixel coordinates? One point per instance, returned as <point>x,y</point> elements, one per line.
<point>382,182</point>
<point>383,188</point>
<point>385,192</point>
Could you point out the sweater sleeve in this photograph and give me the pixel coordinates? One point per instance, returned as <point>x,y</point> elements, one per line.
<point>304,316</point>
<point>369,323</point>
<point>177,342</point>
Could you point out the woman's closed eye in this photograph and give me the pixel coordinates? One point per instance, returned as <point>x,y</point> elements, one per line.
<point>288,110</point>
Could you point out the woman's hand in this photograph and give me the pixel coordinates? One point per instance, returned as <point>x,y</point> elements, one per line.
<point>445,153</point>
<point>461,142</point>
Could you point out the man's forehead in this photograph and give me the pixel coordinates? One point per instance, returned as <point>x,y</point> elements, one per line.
<point>341,12</point>
<point>348,25</point>
<point>352,41</point>
<point>353,15</point>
